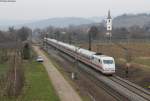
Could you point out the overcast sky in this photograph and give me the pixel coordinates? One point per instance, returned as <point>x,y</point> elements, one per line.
<point>43,9</point>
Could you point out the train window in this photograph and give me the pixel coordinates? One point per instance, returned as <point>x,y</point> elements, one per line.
<point>92,57</point>
<point>99,60</point>
<point>108,61</point>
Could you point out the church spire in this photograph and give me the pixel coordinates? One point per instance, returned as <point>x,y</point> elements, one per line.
<point>109,16</point>
<point>109,26</point>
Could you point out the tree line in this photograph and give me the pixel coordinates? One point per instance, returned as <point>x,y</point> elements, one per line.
<point>81,33</point>
<point>14,48</point>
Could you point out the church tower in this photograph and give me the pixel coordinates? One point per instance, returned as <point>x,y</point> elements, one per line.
<point>109,26</point>
<point>109,22</point>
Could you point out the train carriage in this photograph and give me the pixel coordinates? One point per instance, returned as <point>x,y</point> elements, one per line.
<point>103,63</point>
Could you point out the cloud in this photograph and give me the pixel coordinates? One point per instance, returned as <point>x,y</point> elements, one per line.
<point>40,9</point>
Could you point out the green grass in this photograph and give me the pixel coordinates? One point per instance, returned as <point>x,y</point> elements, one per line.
<point>38,86</point>
<point>3,69</point>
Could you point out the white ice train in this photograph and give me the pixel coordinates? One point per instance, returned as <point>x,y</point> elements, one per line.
<point>103,63</point>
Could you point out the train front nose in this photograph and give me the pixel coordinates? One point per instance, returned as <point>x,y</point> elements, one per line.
<point>109,65</point>
<point>109,68</point>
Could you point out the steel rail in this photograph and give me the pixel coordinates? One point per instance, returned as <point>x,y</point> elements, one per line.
<point>132,87</point>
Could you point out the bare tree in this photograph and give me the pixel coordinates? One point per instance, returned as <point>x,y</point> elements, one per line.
<point>24,33</point>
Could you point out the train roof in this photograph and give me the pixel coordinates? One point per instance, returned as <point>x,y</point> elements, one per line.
<point>87,52</point>
<point>82,50</point>
<point>62,43</point>
<point>103,57</point>
<point>67,45</point>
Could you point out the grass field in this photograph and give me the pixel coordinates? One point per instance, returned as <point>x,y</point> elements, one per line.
<point>3,68</point>
<point>37,87</point>
<point>136,49</point>
<point>143,61</point>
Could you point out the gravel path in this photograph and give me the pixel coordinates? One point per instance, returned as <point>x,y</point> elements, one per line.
<point>62,87</point>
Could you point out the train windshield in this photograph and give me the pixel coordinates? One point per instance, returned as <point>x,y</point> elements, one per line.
<point>108,61</point>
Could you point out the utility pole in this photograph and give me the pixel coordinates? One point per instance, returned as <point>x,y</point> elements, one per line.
<point>127,57</point>
<point>56,34</point>
<point>46,41</point>
<point>92,33</point>
<point>70,38</point>
<point>128,60</point>
<point>74,74</point>
<point>43,36</point>
<point>89,34</point>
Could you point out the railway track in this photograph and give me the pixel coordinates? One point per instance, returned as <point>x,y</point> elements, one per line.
<point>132,87</point>
<point>94,77</point>
<point>94,87</point>
<point>126,90</point>
<point>117,87</point>
<point>91,79</point>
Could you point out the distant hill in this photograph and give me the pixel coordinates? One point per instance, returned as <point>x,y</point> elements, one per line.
<point>56,22</point>
<point>125,20</point>
<point>59,22</point>
<point>128,20</point>
<point>97,19</point>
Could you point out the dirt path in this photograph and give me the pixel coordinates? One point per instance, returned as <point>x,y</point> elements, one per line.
<point>62,87</point>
